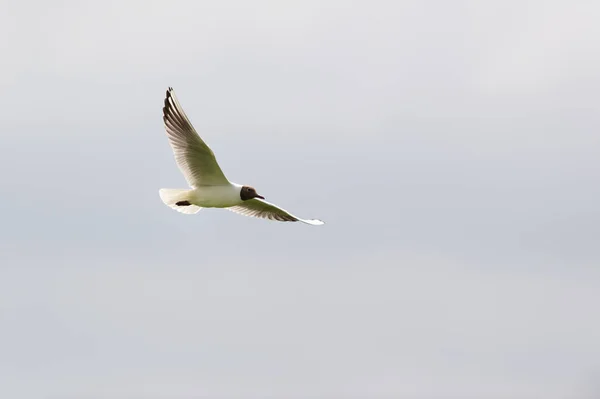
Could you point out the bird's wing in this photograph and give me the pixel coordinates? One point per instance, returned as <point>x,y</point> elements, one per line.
<point>263,209</point>
<point>195,159</point>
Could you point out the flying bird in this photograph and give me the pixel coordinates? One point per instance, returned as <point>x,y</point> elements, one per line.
<point>209,186</point>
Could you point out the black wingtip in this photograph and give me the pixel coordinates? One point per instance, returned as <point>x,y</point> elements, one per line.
<point>167,103</point>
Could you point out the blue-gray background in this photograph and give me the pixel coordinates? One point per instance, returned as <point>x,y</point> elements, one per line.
<point>451,147</point>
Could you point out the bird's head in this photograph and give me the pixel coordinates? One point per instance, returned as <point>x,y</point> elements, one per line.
<point>248,192</point>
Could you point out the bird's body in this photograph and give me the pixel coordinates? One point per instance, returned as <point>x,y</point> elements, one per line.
<point>216,196</point>
<point>209,186</point>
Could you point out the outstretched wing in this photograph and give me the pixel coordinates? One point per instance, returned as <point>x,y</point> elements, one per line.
<point>265,210</point>
<point>195,159</point>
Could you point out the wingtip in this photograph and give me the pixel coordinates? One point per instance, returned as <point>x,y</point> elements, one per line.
<point>315,222</point>
<point>167,102</point>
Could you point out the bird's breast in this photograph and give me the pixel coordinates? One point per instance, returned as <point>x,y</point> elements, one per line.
<point>216,196</point>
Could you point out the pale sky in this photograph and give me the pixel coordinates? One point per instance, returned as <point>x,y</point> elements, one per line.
<point>452,148</point>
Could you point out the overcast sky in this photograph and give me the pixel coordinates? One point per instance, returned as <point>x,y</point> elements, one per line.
<point>452,148</point>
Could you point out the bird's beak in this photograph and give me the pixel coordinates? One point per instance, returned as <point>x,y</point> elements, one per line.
<point>260,196</point>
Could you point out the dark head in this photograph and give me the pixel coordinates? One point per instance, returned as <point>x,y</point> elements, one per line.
<point>248,192</point>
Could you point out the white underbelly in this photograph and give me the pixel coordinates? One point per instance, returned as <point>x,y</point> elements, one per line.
<point>216,196</point>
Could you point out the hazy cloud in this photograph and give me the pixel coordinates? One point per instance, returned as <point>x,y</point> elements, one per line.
<point>452,149</point>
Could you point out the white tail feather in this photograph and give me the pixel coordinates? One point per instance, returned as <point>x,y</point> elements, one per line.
<point>171,196</point>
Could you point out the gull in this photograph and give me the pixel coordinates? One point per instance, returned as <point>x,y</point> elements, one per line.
<point>209,186</point>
